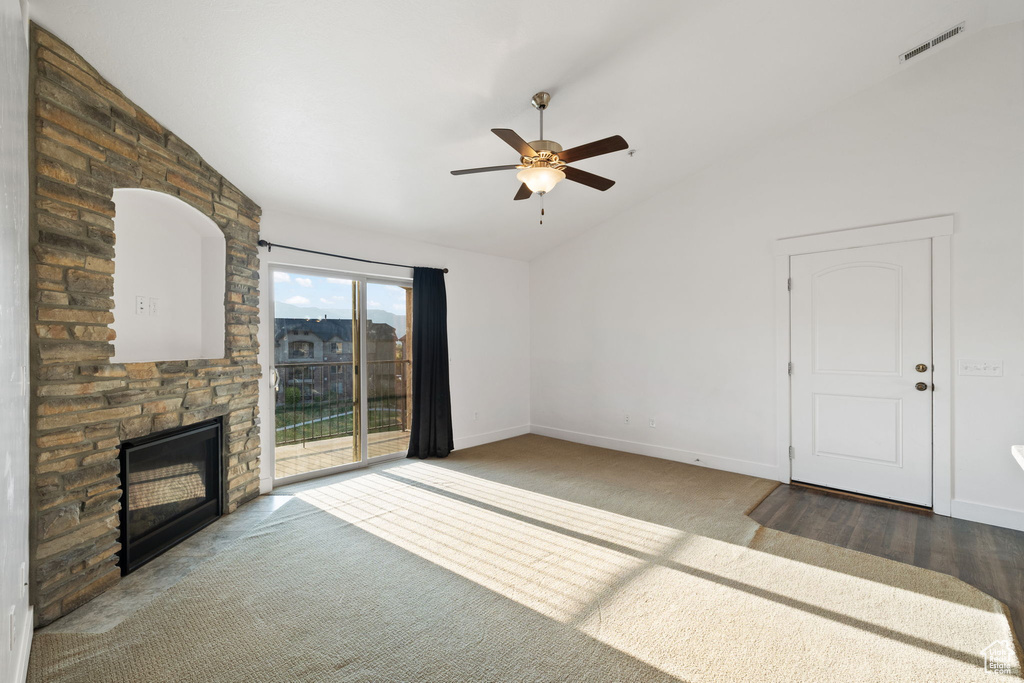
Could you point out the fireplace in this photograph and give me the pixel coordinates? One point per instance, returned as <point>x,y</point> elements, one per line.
<point>171,485</point>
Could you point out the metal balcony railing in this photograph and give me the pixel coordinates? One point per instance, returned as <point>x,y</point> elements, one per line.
<point>314,400</point>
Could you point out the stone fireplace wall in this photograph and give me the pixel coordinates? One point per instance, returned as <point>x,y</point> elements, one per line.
<point>88,139</point>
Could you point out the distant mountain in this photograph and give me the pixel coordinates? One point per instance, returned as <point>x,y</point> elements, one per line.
<point>283,310</point>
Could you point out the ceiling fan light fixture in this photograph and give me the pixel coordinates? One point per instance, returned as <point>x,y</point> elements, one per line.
<point>540,179</point>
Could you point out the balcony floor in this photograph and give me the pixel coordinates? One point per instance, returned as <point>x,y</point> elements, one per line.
<point>301,458</point>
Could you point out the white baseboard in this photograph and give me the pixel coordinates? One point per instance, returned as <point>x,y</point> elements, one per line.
<point>24,647</point>
<point>488,437</point>
<point>988,514</point>
<point>717,462</point>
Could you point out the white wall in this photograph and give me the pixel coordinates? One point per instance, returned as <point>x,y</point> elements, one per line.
<point>169,252</point>
<point>667,311</point>
<point>14,449</point>
<point>488,321</point>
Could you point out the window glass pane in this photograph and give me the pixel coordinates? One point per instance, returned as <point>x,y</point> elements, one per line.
<point>314,376</point>
<point>389,367</point>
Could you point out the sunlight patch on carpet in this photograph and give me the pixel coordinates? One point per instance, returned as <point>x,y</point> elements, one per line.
<point>599,571</point>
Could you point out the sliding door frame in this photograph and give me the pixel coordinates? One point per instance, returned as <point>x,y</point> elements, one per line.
<point>359,330</point>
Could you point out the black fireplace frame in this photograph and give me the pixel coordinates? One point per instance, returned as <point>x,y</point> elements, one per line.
<point>136,552</point>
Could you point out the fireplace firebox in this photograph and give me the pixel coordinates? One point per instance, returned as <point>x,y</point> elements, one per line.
<point>171,483</point>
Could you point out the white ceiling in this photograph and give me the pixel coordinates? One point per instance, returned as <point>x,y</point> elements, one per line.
<point>357,111</point>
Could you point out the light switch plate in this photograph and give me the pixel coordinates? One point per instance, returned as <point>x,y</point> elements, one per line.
<point>141,305</point>
<point>980,368</point>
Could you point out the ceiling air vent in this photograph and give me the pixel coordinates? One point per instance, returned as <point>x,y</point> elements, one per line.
<point>941,38</point>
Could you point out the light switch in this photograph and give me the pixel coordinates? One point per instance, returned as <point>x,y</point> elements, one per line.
<point>154,308</point>
<point>141,305</point>
<point>980,368</point>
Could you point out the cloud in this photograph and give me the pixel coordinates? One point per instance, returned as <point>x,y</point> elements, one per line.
<point>374,304</point>
<point>304,281</point>
<point>398,308</point>
<point>338,281</point>
<point>281,277</point>
<point>297,300</point>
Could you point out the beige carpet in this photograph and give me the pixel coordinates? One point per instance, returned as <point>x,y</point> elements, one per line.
<point>534,559</point>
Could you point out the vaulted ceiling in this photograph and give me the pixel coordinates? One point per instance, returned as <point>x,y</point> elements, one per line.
<point>357,111</point>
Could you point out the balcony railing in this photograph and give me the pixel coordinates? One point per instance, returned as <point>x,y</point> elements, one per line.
<point>314,400</point>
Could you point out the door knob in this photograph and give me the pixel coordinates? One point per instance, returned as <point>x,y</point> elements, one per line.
<point>921,367</point>
<point>921,386</point>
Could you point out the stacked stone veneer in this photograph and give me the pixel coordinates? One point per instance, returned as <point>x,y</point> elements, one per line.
<point>89,139</point>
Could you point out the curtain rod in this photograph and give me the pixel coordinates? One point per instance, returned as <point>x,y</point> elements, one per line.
<point>270,246</point>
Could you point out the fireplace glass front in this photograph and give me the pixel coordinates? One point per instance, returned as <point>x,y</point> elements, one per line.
<point>171,489</point>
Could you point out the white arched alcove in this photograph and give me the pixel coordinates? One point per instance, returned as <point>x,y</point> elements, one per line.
<point>169,279</point>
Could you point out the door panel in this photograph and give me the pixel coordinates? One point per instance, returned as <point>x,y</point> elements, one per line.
<point>861,322</point>
<point>316,357</point>
<point>856,319</point>
<point>859,427</point>
<point>388,368</point>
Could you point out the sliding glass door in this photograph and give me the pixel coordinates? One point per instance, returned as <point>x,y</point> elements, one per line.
<point>342,371</point>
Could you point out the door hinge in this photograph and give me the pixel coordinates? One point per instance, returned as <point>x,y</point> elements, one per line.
<point>789,284</point>
<point>792,453</point>
<point>791,368</point>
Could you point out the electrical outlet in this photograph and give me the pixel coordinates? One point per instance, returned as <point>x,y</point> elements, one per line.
<point>627,418</point>
<point>154,307</point>
<point>650,423</point>
<point>141,305</point>
<point>980,368</point>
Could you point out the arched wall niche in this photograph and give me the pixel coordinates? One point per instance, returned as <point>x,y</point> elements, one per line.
<point>169,279</point>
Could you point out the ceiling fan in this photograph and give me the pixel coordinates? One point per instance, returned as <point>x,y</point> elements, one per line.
<point>542,163</point>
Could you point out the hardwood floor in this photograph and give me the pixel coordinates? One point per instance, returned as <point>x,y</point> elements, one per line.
<point>987,557</point>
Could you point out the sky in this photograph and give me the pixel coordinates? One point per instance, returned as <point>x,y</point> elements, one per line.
<point>310,291</point>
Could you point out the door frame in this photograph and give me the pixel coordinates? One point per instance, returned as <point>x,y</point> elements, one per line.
<point>362,279</point>
<point>938,229</point>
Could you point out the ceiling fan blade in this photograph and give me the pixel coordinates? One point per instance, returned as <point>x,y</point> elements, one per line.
<point>516,142</point>
<point>593,149</point>
<point>588,179</point>
<point>524,192</point>
<point>483,169</point>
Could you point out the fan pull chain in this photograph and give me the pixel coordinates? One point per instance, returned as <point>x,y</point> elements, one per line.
<point>542,209</point>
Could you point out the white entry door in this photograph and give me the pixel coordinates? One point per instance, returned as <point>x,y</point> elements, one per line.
<point>862,370</point>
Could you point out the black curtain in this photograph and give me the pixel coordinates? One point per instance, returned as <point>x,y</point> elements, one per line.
<point>431,434</point>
